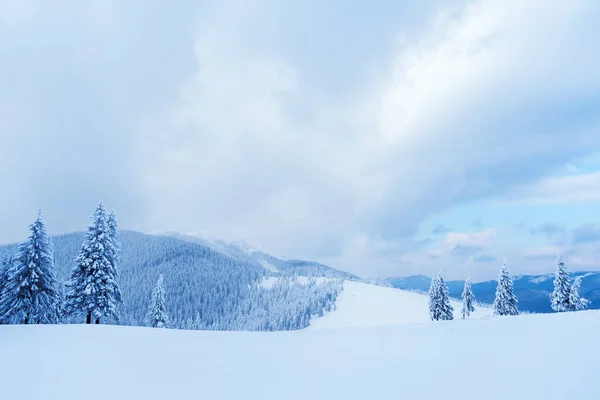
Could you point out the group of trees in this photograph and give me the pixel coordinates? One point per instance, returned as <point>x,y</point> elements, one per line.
<point>565,296</point>
<point>30,292</point>
<point>440,308</point>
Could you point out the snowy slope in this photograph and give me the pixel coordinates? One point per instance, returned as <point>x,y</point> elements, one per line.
<point>497,358</point>
<point>364,305</point>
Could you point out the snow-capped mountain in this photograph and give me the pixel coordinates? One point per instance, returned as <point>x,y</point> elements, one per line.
<point>243,251</point>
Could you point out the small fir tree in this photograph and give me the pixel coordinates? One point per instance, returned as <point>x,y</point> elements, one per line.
<point>505,302</point>
<point>439,301</point>
<point>93,289</point>
<point>30,294</point>
<point>560,296</point>
<point>157,316</point>
<point>468,300</point>
<point>575,301</point>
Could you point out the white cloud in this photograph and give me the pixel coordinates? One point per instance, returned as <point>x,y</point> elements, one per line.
<point>251,150</point>
<point>572,189</point>
<point>480,239</point>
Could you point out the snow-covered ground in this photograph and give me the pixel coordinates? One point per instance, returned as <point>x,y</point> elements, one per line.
<point>546,356</point>
<point>364,305</point>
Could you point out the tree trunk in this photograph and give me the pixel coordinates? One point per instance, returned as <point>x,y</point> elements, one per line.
<point>26,319</point>
<point>88,319</point>
<point>97,321</point>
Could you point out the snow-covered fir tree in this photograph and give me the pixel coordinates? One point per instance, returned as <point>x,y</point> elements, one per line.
<point>575,301</point>
<point>433,299</point>
<point>157,316</point>
<point>439,300</point>
<point>505,302</point>
<point>468,299</point>
<point>113,253</point>
<point>560,296</point>
<point>93,289</point>
<point>30,294</point>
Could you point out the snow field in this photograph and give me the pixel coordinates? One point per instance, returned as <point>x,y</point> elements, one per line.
<point>523,357</point>
<point>365,305</point>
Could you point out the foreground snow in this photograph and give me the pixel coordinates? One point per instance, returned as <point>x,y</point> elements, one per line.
<point>496,358</point>
<point>364,305</point>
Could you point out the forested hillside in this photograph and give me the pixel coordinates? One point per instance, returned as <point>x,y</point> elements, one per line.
<point>205,288</point>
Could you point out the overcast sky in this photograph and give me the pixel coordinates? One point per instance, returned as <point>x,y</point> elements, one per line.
<point>384,137</point>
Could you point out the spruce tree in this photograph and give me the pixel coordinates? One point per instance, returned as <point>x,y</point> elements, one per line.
<point>560,296</point>
<point>439,301</point>
<point>30,294</point>
<point>93,289</point>
<point>575,301</point>
<point>433,300</point>
<point>113,254</point>
<point>447,311</point>
<point>157,316</point>
<point>505,302</point>
<point>468,300</point>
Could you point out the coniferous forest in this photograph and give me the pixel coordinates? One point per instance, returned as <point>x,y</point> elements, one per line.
<point>106,276</point>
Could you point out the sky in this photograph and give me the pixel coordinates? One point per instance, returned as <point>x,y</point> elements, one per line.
<point>385,138</point>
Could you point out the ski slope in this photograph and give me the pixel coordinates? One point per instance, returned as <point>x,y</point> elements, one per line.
<point>365,305</point>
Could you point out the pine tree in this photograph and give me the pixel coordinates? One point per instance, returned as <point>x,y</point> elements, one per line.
<point>439,301</point>
<point>157,316</point>
<point>93,288</point>
<point>468,300</point>
<point>30,294</point>
<point>560,297</point>
<point>505,302</point>
<point>577,303</point>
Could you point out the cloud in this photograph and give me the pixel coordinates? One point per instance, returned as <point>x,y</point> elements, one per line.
<point>586,233</point>
<point>485,258</point>
<point>479,239</point>
<point>555,233</point>
<point>215,116</point>
<point>572,189</point>
<point>440,230</point>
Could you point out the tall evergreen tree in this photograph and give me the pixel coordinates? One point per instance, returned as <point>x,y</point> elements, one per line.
<point>93,288</point>
<point>468,299</point>
<point>447,311</point>
<point>113,253</point>
<point>560,296</point>
<point>157,316</point>
<point>433,300</point>
<point>30,294</point>
<point>505,302</point>
<point>439,300</point>
<point>575,301</point>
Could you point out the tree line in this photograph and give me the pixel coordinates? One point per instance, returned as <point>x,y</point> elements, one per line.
<point>564,297</point>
